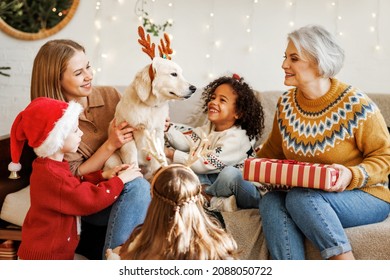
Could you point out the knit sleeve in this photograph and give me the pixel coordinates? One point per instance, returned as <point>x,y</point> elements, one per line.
<point>94,177</point>
<point>372,139</point>
<point>177,138</point>
<point>272,147</point>
<point>86,198</point>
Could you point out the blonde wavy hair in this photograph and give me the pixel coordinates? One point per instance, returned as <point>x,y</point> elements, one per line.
<point>49,65</point>
<point>176,226</point>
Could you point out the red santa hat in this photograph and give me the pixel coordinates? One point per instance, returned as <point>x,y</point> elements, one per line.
<point>44,124</point>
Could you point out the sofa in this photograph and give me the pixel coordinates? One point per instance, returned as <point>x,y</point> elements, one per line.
<point>368,242</point>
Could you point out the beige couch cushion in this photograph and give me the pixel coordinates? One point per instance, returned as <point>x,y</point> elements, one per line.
<point>15,206</point>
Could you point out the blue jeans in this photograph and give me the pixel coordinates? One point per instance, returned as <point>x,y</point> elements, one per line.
<point>230,182</point>
<point>290,216</point>
<point>125,214</point>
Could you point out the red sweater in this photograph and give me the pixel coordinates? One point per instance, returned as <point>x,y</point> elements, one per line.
<point>57,198</point>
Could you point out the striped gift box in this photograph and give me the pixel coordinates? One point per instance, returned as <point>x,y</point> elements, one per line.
<point>289,173</point>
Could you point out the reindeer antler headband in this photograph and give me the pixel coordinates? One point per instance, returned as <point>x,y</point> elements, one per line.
<point>149,48</point>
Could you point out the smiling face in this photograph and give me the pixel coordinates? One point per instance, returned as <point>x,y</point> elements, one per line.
<point>222,107</point>
<point>76,79</point>
<point>299,71</point>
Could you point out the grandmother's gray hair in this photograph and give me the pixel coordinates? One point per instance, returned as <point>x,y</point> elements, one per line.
<point>320,46</point>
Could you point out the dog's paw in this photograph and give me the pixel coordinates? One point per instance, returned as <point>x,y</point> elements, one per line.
<point>141,127</point>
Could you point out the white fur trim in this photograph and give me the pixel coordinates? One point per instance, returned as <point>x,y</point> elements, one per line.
<point>14,166</point>
<point>61,130</point>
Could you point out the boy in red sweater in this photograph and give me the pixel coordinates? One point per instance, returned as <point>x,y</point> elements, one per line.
<point>51,228</point>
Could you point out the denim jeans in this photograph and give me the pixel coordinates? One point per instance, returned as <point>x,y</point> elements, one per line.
<point>290,216</point>
<point>230,182</point>
<point>125,214</point>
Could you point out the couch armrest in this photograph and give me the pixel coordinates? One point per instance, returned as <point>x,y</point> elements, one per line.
<point>12,185</point>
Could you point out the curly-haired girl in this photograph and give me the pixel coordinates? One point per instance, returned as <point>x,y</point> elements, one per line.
<point>176,226</point>
<point>235,122</point>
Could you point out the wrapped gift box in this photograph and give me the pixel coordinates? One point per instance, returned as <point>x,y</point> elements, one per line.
<point>289,173</point>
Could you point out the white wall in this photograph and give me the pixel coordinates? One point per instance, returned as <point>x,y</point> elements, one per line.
<point>269,22</point>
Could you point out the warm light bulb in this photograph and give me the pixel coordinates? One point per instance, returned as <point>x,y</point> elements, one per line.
<point>211,14</point>
<point>217,44</point>
<point>339,18</point>
<point>250,49</point>
<point>98,24</point>
<point>103,55</point>
<point>372,29</point>
<point>248,30</point>
<point>373,15</point>
<point>291,23</point>
<point>207,56</point>
<point>170,4</point>
<point>377,47</point>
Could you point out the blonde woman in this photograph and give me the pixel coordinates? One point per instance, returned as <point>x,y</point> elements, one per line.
<point>176,226</point>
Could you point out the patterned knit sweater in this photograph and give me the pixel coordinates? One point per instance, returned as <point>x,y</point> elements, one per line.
<point>344,126</point>
<point>229,147</point>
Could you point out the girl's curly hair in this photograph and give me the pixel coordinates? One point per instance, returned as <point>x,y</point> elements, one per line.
<point>248,107</point>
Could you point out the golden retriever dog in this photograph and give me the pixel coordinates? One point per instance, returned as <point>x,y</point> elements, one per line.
<point>144,106</point>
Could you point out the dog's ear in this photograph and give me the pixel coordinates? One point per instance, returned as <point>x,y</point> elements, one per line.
<point>143,85</point>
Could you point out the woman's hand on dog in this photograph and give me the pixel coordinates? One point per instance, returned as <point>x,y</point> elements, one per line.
<point>119,135</point>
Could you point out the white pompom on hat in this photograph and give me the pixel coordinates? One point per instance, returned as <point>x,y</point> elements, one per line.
<point>44,124</point>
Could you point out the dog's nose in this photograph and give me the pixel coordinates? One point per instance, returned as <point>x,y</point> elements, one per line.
<point>192,88</point>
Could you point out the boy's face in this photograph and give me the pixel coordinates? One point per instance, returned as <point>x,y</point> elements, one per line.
<point>222,107</point>
<point>72,142</point>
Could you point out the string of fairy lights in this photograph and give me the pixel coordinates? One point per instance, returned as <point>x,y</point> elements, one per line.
<point>214,44</point>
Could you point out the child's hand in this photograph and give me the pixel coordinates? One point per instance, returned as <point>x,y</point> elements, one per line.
<point>129,173</point>
<point>125,172</point>
<point>167,124</point>
<point>108,174</point>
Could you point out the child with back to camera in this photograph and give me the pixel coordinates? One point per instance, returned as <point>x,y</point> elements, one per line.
<point>176,226</point>
<point>51,228</point>
<point>235,122</point>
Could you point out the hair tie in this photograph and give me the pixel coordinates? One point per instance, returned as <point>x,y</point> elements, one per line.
<point>236,77</point>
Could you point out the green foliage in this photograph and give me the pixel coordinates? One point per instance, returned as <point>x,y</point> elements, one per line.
<point>151,27</point>
<point>32,16</point>
<point>4,68</point>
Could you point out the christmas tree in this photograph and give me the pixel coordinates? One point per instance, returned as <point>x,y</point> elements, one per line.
<point>33,16</point>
